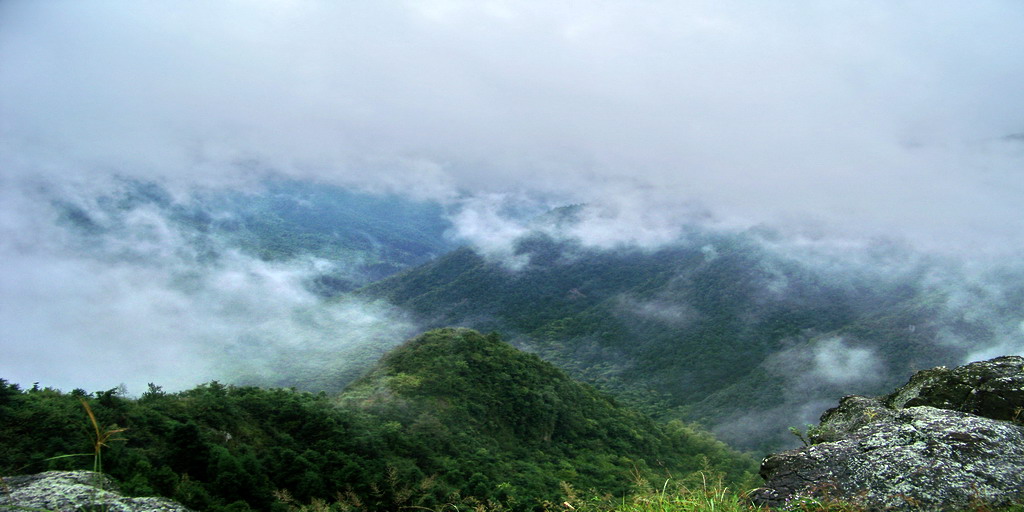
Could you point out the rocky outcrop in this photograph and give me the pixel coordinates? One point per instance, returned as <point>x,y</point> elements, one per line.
<point>70,491</point>
<point>993,389</point>
<point>948,439</point>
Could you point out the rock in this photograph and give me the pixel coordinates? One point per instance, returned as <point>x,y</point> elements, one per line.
<point>853,413</point>
<point>993,389</point>
<point>70,491</point>
<point>943,441</point>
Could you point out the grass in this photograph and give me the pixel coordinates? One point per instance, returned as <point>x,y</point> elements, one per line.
<point>701,495</point>
<point>102,436</point>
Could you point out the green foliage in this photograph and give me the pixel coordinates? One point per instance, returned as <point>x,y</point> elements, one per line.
<point>698,492</point>
<point>451,417</point>
<point>681,331</point>
<point>812,434</point>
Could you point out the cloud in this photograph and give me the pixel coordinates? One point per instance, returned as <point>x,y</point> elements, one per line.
<point>491,223</point>
<point>102,296</point>
<point>869,119</point>
<point>634,218</point>
<point>771,426</point>
<point>981,308</point>
<point>832,126</point>
<point>675,314</point>
<point>828,365</point>
<point>836,362</point>
<point>812,374</point>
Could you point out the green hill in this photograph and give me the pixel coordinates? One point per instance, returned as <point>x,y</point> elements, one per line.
<point>715,329</point>
<point>525,410</point>
<point>452,416</point>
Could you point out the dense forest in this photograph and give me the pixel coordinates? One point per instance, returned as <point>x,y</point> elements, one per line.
<point>717,328</point>
<point>450,417</point>
<point>714,336</point>
<point>736,330</point>
<point>453,255</point>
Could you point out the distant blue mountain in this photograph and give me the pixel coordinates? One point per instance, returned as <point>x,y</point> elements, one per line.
<point>364,236</point>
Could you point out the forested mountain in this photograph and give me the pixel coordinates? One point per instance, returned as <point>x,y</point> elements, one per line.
<point>715,217</point>
<point>231,284</point>
<point>715,328</point>
<point>733,330</point>
<point>376,234</point>
<point>363,236</point>
<point>450,417</point>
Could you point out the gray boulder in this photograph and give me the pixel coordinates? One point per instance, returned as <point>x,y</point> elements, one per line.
<point>948,439</point>
<point>70,491</point>
<point>993,389</point>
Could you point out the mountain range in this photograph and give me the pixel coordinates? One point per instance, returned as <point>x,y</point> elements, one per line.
<point>386,367</point>
<point>716,328</point>
<point>452,417</point>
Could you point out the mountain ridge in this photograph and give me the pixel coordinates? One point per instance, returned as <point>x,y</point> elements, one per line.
<point>451,416</point>
<point>711,329</point>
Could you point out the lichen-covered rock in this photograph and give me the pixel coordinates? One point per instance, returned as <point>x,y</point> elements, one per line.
<point>922,456</point>
<point>924,446</point>
<point>993,389</point>
<point>70,491</point>
<point>852,413</point>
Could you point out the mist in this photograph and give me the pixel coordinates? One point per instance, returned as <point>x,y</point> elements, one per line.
<point>846,135</point>
<point>99,295</point>
<point>863,119</point>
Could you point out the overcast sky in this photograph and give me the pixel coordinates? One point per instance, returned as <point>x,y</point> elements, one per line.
<point>853,118</point>
<point>903,117</point>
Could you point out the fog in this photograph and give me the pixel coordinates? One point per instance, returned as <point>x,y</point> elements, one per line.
<point>900,119</point>
<point>837,128</point>
<point>100,297</point>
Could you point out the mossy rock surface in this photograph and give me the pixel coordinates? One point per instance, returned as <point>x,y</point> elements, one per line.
<point>73,491</point>
<point>950,439</point>
<point>992,389</point>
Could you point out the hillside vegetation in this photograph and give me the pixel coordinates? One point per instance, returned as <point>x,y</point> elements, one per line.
<point>450,417</point>
<point>716,329</point>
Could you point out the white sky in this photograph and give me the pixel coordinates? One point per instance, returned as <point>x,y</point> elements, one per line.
<point>855,118</point>
<point>872,116</point>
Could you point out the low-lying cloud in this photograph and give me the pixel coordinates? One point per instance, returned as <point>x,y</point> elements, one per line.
<point>836,362</point>
<point>895,119</point>
<point>829,130</point>
<point>831,363</point>
<point>677,315</point>
<point>93,299</point>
